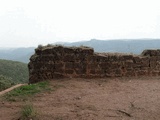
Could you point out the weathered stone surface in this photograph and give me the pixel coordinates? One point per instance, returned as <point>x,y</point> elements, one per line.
<point>151,53</point>
<point>52,62</point>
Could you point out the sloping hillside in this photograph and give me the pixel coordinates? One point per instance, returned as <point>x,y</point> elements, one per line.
<point>5,82</point>
<point>17,72</point>
<point>17,54</point>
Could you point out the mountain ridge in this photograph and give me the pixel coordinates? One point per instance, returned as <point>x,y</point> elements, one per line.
<point>135,46</point>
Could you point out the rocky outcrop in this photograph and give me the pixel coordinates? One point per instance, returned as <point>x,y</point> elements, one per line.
<point>52,62</point>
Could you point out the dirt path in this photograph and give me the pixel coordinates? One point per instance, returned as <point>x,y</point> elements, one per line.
<point>11,88</point>
<point>94,99</point>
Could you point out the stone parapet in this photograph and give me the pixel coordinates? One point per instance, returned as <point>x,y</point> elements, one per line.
<point>52,62</point>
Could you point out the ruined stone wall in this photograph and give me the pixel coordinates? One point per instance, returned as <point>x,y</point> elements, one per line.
<point>57,62</point>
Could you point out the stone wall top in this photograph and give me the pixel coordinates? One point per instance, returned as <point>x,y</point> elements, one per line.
<point>151,52</point>
<point>61,49</point>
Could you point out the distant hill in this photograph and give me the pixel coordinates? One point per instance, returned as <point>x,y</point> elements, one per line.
<point>15,71</point>
<point>17,54</point>
<point>124,45</point>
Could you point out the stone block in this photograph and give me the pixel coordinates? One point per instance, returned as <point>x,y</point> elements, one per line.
<point>58,50</point>
<point>69,71</point>
<point>69,58</point>
<point>38,51</point>
<point>104,65</point>
<point>80,71</point>
<point>46,51</point>
<point>151,53</point>
<point>87,51</point>
<point>127,57</point>
<point>118,72</point>
<point>141,73</point>
<point>137,59</point>
<point>59,65</point>
<point>58,75</point>
<point>100,58</point>
<point>152,64</point>
<point>78,65</point>
<point>92,65</point>
<point>69,65</point>
<point>130,73</point>
<point>92,71</point>
<point>68,50</point>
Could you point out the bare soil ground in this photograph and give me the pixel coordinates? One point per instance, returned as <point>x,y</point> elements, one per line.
<point>94,99</point>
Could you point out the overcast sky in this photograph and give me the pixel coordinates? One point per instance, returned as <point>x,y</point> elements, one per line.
<point>34,22</point>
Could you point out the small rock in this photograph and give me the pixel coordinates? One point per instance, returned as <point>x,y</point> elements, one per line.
<point>78,98</point>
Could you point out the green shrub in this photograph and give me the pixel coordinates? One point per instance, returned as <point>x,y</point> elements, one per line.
<point>5,82</point>
<point>28,112</point>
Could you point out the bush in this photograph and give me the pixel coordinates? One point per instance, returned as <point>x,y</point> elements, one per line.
<point>28,112</point>
<point>17,72</point>
<point>5,82</point>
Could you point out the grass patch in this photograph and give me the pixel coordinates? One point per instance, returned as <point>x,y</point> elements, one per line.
<point>24,92</point>
<point>28,112</point>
